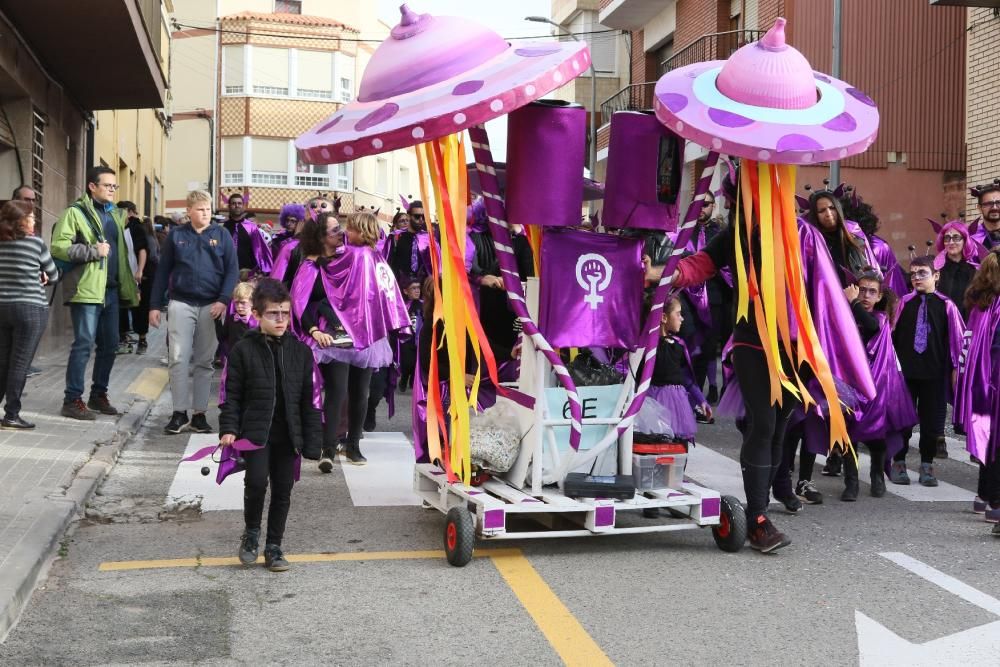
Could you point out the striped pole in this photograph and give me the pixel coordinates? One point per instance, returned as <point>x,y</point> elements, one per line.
<point>500,231</point>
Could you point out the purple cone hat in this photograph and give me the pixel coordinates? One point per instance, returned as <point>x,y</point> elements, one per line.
<point>766,103</point>
<point>435,76</point>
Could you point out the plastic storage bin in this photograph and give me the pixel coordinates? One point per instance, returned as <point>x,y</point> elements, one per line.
<point>658,471</point>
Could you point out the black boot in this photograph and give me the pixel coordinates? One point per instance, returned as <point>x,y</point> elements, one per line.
<point>878,471</point>
<point>326,460</point>
<point>851,486</point>
<point>352,451</point>
<point>369,424</point>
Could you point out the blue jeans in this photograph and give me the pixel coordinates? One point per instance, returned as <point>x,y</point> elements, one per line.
<point>92,323</point>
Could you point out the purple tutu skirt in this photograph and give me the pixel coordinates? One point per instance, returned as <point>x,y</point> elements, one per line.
<point>376,355</point>
<point>677,410</point>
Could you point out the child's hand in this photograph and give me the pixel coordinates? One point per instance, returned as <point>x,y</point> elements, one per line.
<point>707,409</point>
<point>322,339</point>
<point>851,292</point>
<point>227,439</point>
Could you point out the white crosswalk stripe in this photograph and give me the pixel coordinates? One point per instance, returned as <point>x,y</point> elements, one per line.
<point>387,479</point>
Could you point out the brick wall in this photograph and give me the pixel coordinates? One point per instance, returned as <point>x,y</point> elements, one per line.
<point>983,101</point>
<point>767,11</point>
<point>699,17</point>
<point>643,65</point>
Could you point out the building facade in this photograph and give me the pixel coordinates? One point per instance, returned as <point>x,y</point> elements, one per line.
<point>911,61</point>
<point>254,75</point>
<point>982,90</point>
<point>67,104</point>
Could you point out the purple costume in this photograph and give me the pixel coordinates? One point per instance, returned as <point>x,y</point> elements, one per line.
<point>892,272</point>
<point>977,399</point>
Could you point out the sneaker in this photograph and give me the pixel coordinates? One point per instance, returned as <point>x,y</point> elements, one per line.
<point>341,338</point>
<point>33,371</point>
<point>141,347</point>
<point>713,394</point>
<point>326,460</point>
<point>765,538</point>
<point>124,348</point>
<point>77,410</point>
<point>178,422</point>
<point>16,423</point>
<point>701,417</point>
<point>199,423</point>
<point>927,477</point>
<point>834,464</point>
<point>808,493</point>
<point>898,473</point>
<point>942,448</point>
<point>996,530</point>
<point>100,403</point>
<point>979,505</point>
<point>992,514</point>
<point>274,560</point>
<point>792,503</point>
<point>248,546</point>
<point>353,454</point>
<point>163,361</point>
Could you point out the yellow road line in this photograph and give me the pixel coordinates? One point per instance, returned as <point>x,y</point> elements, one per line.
<point>150,383</point>
<point>556,622</point>
<point>119,566</point>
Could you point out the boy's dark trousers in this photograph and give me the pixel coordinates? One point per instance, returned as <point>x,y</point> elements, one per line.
<point>929,396</point>
<point>277,462</point>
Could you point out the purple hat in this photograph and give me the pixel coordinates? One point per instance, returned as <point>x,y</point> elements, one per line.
<point>766,103</point>
<point>435,76</point>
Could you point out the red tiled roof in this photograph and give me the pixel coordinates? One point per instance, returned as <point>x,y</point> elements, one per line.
<point>288,19</point>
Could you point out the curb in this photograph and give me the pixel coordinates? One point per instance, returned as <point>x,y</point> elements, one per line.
<point>32,558</point>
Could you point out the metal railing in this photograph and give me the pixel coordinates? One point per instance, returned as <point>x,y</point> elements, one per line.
<point>634,97</point>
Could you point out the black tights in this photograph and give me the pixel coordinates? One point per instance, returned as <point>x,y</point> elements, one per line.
<point>277,462</point>
<point>765,428</point>
<point>340,381</point>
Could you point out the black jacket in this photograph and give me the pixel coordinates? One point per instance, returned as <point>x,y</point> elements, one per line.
<point>251,397</point>
<point>197,268</point>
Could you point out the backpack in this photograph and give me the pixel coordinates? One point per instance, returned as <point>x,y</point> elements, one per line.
<point>66,266</point>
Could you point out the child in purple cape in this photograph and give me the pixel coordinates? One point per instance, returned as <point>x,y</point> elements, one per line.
<point>927,335</point>
<point>673,386</point>
<point>977,402</point>
<point>408,344</point>
<point>885,418</point>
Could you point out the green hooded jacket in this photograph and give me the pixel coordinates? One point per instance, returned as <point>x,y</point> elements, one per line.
<point>74,239</point>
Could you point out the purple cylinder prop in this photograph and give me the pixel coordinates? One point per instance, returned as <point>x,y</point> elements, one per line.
<point>645,161</point>
<point>546,142</point>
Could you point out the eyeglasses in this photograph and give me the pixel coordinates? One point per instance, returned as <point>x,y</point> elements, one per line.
<point>316,205</point>
<point>920,275</point>
<point>336,231</point>
<point>107,186</point>
<point>952,238</point>
<point>990,204</point>
<point>868,291</point>
<point>416,216</point>
<point>277,315</point>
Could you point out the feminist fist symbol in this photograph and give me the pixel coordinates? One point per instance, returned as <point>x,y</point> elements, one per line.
<point>593,273</point>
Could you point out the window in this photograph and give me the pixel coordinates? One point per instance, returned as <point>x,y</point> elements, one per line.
<point>381,176</point>
<point>232,161</point>
<point>38,123</point>
<point>403,184</point>
<point>311,175</point>
<point>270,71</point>
<point>287,6</point>
<point>269,161</point>
<point>602,46</point>
<point>344,177</point>
<point>345,77</point>
<point>315,74</point>
<point>233,66</point>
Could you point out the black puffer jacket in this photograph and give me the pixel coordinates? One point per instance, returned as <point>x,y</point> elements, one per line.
<point>250,393</point>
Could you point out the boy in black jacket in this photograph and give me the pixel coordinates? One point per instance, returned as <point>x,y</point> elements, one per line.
<point>269,402</point>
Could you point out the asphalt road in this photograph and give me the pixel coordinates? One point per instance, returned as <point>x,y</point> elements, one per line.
<point>669,598</point>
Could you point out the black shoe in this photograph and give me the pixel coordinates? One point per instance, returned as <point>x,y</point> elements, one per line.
<point>808,493</point>
<point>701,417</point>
<point>942,448</point>
<point>16,423</point>
<point>77,410</point>
<point>274,560</point>
<point>792,503</point>
<point>199,423</point>
<point>100,403</point>
<point>713,394</point>
<point>369,424</point>
<point>851,488</point>
<point>326,460</point>
<point>248,546</point>
<point>765,538</point>
<point>878,484</point>
<point>353,454</point>
<point>341,338</point>
<point>178,422</point>
<point>141,346</point>
<point>834,463</point>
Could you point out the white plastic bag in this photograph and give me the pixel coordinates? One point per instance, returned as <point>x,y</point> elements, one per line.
<point>495,438</point>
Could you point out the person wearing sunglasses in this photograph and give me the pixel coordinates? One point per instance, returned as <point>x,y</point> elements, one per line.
<point>408,253</point>
<point>928,339</point>
<point>88,246</point>
<point>986,229</point>
<point>252,250</point>
<point>291,219</point>
<point>956,261</point>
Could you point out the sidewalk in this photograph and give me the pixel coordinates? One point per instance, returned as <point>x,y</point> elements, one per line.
<point>47,475</point>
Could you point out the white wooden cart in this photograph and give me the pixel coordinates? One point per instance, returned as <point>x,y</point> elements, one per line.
<point>522,505</point>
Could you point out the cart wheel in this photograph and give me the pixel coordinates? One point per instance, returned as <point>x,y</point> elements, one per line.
<point>731,532</point>
<point>459,536</point>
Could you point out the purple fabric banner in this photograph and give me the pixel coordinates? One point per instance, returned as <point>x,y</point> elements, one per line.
<point>591,289</point>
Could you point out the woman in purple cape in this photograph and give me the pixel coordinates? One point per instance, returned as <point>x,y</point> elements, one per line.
<point>862,213</point>
<point>885,418</point>
<point>977,400</point>
<point>956,259</point>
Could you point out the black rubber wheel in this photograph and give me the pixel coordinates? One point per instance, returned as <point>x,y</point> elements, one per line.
<point>459,536</point>
<point>731,532</point>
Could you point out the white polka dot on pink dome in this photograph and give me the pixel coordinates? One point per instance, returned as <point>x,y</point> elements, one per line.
<point>679,125</point>
<point>843,152</point>
<point>763,155</point>
<point>496,105</point>
<point>376,143</point>
<point>325,153</point>
<point>716,143</point>
<point>418,133</point>
<point>807,157</point>
<point>557,77</point>
<point>458,118</point>
<point>529,90</point>
<point>576,66</point>
<point>348,150</point>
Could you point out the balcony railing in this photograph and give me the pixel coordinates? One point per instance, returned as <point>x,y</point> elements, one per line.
<point>715,46</point>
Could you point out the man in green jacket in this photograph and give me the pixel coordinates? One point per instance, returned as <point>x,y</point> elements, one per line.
<point>88,243</point>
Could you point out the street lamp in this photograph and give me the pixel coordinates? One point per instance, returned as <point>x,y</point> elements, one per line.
<point>593,92</point>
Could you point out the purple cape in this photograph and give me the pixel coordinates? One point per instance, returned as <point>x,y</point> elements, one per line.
<point>977,407</point>
<point>892,272</point>
<point>866,248</point>
<point>892,409</point>
<point>261,251</point>
<point>284,257</point>
<point>956,325</point>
